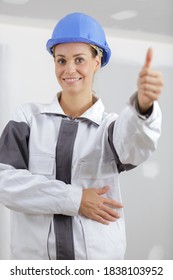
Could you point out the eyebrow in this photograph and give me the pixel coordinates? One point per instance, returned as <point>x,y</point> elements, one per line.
<point>61,55</point>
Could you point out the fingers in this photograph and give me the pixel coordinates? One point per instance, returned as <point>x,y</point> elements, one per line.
<point>108,201</point>
<point>150,84</point>
<point>102,190</point>
<point>104,215</point>
<point>112,203</point>
<point>106,211</point>
<point>96,207</point>
<point>150,73</point>
<point>148,59</point>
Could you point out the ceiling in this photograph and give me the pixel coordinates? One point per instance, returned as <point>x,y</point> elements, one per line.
<point>142,17</point>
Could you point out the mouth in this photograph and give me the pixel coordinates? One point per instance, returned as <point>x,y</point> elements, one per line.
<point>71,80</point>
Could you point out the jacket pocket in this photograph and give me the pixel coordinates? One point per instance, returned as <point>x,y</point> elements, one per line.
<point>97,174</point>
<point>96,170</point>
<point>104,241</point>
<point>42,164</point>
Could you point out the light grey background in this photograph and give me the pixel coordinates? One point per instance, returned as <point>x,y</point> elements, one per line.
<point>27,75</point>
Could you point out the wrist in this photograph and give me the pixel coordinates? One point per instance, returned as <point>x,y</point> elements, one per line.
<point>144,110</point>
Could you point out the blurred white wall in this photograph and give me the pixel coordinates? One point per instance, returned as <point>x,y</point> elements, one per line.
<point>27,75</point>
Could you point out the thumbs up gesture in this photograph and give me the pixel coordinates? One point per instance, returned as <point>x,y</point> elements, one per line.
<point>150,84</point>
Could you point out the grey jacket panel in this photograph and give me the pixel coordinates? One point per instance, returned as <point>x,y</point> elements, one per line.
<point>14,145</point>
<point>62,223</point>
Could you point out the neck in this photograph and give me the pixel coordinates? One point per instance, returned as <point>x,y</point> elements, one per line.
<point>75,105</point>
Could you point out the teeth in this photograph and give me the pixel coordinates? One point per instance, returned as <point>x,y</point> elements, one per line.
<point>71,80</point>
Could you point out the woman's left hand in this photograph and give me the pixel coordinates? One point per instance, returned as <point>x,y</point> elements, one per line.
<point>150,84</point>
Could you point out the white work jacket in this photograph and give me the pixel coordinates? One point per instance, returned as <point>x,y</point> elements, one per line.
<point>103,145</point>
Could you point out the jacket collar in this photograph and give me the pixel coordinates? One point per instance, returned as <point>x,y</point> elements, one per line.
<point>93,114</point>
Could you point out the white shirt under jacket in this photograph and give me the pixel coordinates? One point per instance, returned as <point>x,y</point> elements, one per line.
<point>34,196</point>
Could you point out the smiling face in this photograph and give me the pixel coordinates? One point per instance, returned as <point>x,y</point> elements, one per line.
<point>75,66</point>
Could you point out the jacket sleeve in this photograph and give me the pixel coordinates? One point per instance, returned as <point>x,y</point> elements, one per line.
<point>135,137</point>
<point>22,191</point>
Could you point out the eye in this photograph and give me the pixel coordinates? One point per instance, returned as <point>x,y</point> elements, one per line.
<point>79,60</point>
<point>61,61</point>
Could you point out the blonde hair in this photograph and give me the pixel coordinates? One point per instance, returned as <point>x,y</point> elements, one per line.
<point>98,50</point>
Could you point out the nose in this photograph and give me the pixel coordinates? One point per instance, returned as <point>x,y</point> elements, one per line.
<point>70,68</point>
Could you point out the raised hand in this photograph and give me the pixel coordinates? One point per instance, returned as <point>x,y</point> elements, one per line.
<point>150,84</point>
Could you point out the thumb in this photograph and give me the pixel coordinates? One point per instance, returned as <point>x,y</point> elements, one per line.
<point>149,57</point>
<point>103,190</point>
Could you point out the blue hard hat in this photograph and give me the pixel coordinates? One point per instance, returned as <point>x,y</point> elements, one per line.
<point>78,27</point>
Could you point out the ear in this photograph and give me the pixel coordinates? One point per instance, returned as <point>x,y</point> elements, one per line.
<point>97,63</point>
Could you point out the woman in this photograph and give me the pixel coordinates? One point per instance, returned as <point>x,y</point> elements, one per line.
<point>60,163</point>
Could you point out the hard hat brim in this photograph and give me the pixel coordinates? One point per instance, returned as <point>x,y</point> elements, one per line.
<point>53,42</point>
